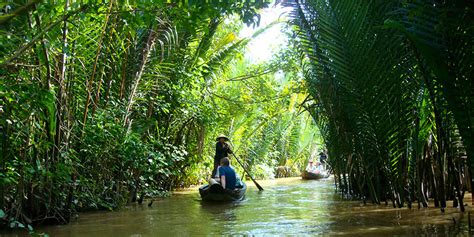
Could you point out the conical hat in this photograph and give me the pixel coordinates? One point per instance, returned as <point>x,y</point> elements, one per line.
<point>222,136</point>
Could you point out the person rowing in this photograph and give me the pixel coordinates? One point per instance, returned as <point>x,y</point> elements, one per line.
<point>222,150</point>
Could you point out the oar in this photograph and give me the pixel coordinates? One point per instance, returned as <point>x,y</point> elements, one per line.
<point>243,167</point>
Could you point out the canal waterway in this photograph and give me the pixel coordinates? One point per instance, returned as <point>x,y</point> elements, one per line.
<point>287,207</point>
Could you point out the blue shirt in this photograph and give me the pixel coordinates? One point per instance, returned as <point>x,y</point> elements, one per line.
<point>230,177</point>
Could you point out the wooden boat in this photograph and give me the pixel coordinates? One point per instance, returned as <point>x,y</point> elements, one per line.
<point>216,192</point>
<point>310,175</point>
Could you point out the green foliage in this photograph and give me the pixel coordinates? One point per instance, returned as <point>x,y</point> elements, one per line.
<point>387,84</point>
<point>261,112</point>
<point>102,103</point>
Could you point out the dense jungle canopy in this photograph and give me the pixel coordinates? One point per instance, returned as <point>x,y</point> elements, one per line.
<point>103,103</point>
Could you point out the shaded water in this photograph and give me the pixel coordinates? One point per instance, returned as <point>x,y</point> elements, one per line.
<point>287,206</point>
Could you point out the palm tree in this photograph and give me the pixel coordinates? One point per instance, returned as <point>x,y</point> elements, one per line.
<point>388,116</point>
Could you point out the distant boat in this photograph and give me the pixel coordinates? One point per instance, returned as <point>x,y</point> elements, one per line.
<point>310,175</point>
<point>217,193</point>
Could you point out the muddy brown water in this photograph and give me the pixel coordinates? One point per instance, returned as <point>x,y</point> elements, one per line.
<point>287,207</point>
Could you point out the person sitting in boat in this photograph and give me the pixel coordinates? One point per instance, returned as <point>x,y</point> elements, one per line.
<point>227,175</point>
<point>314,168</point>
<point>222,150</point>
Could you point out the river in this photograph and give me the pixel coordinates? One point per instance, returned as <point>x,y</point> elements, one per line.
<point>286,207</point>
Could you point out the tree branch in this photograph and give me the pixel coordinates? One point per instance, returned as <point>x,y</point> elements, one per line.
<point>6,18</point>
<point>39,36</point>
<point>249,76</point>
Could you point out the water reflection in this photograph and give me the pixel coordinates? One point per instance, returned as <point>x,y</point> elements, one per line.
<point>289,206</point>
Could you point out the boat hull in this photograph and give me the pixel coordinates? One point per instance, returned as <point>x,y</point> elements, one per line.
<point>310,175</point>
<point>216,193</point>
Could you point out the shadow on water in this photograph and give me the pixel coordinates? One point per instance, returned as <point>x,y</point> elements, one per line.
<point>287,206</point>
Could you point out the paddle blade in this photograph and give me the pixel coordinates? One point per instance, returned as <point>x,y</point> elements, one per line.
<point>258,186</point>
